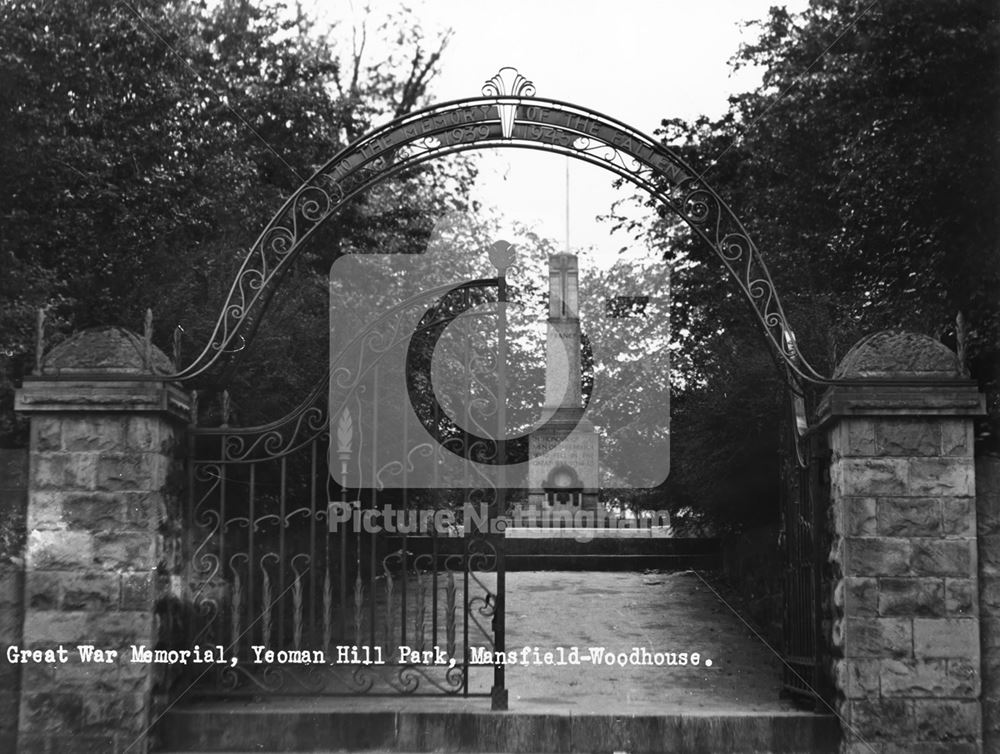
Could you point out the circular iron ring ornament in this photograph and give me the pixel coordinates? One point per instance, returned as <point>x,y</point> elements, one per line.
<point>499,120</point>
<point>420,386</point>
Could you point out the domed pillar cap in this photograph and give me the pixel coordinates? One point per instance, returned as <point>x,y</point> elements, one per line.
<point>895,372</point>
<point>104,369</point>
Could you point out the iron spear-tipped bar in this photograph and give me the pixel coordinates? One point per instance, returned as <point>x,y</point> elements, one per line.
<point>39,339</point>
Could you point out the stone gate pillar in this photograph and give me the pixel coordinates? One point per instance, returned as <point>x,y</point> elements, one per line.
<point>904,553</point>
<point>101,530</point>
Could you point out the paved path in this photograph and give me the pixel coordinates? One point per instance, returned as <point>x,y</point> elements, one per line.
<point>662,612</point>
<point>735,699</point>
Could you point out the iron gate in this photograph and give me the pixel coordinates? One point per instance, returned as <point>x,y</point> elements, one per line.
<point>806,490</point>
<point>301,585</point>
<point>258,496</point>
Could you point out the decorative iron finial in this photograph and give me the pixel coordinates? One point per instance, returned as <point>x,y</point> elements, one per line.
<point>960,343</point>
<point>508,83</point>
<point>39,340</point>
<point>178,333</point>
<point>194,407</point>
<point>225,408</point>
<point>501,255</point>
<point>147,341</point>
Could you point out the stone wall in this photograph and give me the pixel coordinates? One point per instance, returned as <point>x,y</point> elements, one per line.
<point>988,520</point>
<point>13,504</point>
<point>904,554</point>
<point>104,487</point>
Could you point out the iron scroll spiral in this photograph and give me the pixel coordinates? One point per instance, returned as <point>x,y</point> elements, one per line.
<point>508,115</point>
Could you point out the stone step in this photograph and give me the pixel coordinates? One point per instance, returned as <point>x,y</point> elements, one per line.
<point>253,728</point>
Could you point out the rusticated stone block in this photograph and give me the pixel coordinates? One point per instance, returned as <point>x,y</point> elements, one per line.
<point>114,629</point>
<point>59,550</point>
<point>122,550</point>
<point>42,589</point>
<point>93,433</point>
<point>63,471</point>
<point>865,477</point>
<point>878,637</point>
<point>857,437</point>
<point>89,677</point>
<point>907,437</point>
<point>952,477</point>
<point>958,516</point>
<point>46,510</point>
<point>51,712</point>
<point>911,597</point>
<point>90,591</point>
<point>948,557</point>
<point>945,637</point>
<point>968,671</point>
<point>857,678</point>
<point>859,518</point>
<point>860,596</point>
<point>908,517</point>
<point>956,437</point>
<point>929,678</point>
<point>46,433</point>
<point>960,597</point>
<point>98,511</point>
<point>878,556</point>
<point>122,712</point>
<point>883,719</point>
<point>145,433</point>
<point>130,471</point>
<point>49,628</point>
<point>143,510</point>
<point>78,714</point>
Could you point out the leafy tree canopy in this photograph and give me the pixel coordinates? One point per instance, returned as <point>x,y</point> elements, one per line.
<point>866,169</point>
<point>145,144</point>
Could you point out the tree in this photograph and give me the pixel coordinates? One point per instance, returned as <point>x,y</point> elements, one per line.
<point>866,170</point>
<point>145,144</point>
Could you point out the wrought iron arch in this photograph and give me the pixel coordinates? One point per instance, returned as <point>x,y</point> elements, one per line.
<point>507,115</point>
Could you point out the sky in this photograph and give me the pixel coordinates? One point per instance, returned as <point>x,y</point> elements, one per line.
<point>639,61</point>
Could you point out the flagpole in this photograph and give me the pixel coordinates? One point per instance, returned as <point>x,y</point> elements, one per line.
<point>567,204</point>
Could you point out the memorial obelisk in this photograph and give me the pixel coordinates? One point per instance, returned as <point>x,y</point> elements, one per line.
<point>563,473</point>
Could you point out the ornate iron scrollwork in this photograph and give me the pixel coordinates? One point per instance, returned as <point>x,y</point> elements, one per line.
<point>508,115</point>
